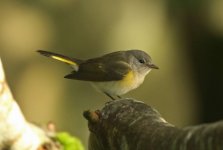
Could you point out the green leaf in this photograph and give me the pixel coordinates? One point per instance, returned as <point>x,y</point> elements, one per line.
<point>69,142</point>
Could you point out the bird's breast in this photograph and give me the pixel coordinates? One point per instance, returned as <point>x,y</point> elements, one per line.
<point>129,82</point>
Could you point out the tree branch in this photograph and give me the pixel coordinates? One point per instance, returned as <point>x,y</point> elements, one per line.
<point>15,132</point>
<point>128,124</point>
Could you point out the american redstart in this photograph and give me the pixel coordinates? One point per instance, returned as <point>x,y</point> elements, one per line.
<point>114,74</point>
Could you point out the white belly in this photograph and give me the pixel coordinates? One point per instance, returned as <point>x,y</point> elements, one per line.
<point>120,87</point>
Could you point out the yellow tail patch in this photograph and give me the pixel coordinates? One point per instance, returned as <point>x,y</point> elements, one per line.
<point>64,60</point>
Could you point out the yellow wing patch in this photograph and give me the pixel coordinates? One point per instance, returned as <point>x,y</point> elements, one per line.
<point>64,60</point>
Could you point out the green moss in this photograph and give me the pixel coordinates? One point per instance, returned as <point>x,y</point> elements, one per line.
<point>69,142</point>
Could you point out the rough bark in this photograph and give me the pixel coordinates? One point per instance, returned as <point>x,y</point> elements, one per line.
<point>128,124</point>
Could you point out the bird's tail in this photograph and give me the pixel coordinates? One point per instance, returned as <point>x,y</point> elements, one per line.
<point>65,59</point>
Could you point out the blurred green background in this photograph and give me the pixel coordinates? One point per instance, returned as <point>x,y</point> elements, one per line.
<point>184,38</point>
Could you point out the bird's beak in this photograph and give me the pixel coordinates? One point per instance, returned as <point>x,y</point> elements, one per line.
<point>153,66</point>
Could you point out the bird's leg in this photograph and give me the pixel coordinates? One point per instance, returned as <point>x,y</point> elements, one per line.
<point>119,97</point>
<point>112,98</point>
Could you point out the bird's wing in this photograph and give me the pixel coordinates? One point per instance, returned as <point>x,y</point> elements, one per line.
<point>99,71</point>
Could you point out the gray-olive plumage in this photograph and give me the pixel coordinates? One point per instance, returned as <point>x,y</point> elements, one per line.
<point>115,73</point>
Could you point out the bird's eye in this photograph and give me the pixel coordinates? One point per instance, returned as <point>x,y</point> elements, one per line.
<point>142,61</point>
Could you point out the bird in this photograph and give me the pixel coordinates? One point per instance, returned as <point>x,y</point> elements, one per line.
<point>114,74</point>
